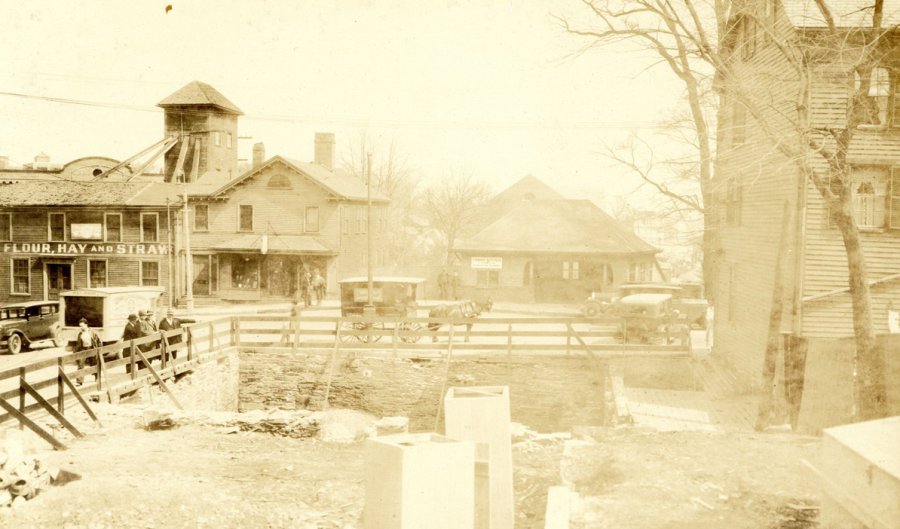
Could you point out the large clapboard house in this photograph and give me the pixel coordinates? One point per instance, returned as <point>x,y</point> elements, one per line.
<point>764,198</point>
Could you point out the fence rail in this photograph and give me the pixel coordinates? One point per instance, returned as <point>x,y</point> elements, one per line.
<point>51,385</point>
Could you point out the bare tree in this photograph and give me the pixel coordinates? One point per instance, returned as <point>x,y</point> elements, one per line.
<point>449,205</point>
<point>695,39</point>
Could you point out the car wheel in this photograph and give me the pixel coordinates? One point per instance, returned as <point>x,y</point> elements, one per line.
<point>14,343</point>
<point>592,310</point>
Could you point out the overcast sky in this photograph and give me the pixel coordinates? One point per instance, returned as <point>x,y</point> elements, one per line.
<point>486,86</point>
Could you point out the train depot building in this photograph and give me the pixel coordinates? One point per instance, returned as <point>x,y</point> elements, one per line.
<point>531,244</point>
<point>244,235</point>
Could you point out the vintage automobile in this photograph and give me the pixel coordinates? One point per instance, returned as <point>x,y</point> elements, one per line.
<point>686,299</point>
<point>391,296</point>
<point>24,323</point>
<point>105,309</point>
<point>647,317</point>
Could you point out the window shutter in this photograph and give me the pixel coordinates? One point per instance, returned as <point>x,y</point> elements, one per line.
<point>895,98</point>
<point>894,194</point>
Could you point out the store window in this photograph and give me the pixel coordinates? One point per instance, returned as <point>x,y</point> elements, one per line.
<point>96,273</point>
<point>245,273</point>
<point>21,276</point>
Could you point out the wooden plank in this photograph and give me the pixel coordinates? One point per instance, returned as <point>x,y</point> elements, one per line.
<point>51,410</point>
<point>159,380</point>
<point>80,398</point>
<point>23,420</point>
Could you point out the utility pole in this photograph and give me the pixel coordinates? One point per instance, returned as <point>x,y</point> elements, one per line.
<point>188,259</point>
<point>369,309</point>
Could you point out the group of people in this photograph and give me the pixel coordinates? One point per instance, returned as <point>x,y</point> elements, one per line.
<point>139,325</point>
<point>311,284</point>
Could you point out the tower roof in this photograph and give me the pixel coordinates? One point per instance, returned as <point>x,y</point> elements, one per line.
<point>198,93</point>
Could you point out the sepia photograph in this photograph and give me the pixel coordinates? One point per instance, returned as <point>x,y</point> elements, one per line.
<point>450,264</point>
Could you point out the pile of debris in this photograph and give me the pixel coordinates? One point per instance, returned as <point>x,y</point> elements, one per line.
<point>22,477</point>
<point>527,440</point>
<point>334,425</point>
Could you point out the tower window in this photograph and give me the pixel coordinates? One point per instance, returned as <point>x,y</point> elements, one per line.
<point>228,140</point>
<point>217,140</point>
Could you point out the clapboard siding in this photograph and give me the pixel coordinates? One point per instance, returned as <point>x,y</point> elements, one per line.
<point>768,179</point>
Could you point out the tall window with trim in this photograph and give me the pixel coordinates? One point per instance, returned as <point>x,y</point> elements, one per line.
<point>149,227</point>
<point>894,204</point>
<point>21,276</point>
<point>150,273</point>
<point>6,227</point>
<point>245,221</point>
<point>96,273</point>
<point>312,219</point>
<point>201,217</point>
<point>113,227</point>
<point>738,124</point>
<point>57,227</point>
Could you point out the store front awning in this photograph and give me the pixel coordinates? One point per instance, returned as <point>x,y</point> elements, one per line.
<point>271,244</point>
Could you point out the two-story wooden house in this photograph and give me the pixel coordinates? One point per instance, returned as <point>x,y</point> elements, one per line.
<point>59,235</point>
<point>790,78</point>
<point>248,235</point>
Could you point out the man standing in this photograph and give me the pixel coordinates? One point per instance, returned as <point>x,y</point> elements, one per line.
<point>169,323</point>
<point>133,331</point>
<point>305,287</point>
<point>86,339</point>
<point>318,284</point>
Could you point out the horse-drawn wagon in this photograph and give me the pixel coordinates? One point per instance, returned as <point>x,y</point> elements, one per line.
<point>392,297</point>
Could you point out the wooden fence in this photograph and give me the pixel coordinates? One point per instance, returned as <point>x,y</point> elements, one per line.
<point>50,386</point>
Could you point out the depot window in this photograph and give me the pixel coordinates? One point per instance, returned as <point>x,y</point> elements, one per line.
<point>97,277</point>
<point>5,226</point>
<point>113,223</point>
<point>150,273</point>
<point>149,227</point>
<point>21,276</point>
<point>570,270</point>
<point>487,278</point>
<point>57,227</point>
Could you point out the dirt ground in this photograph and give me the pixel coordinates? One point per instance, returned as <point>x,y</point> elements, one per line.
<point>202,476</point>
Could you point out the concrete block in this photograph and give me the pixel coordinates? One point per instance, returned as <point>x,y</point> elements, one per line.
<point>481,414</point>
<point>860,471</point>
<point>558,513</point>
<point>414,481</point>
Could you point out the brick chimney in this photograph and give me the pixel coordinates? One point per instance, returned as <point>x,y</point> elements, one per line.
<point>259,154</point>
<point>325,149</point>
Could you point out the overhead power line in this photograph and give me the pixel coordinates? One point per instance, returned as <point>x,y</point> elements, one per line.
<point>550,124</point>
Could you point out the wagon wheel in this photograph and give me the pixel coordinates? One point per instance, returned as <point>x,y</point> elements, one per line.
<point>412,326</point>
<point>375,327</point>
<point>350,326</point>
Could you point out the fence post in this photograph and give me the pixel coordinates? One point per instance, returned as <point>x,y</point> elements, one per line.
<point>236,334</point>
<point>163,353</point>
<point>296,338</point>
<point>60,393</point>
<point>212,333</point>
<point>189,343</point>
<point>509,351</point>
<point>21,395</point>
<point>394,338</point>
<point>131,360</point>
<point>568,338</point>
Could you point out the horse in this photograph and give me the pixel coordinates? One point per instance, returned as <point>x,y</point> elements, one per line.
<point>465,309</point>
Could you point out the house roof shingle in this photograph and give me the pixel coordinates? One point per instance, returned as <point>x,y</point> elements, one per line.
<point>199,93</point>
<point>79,193</point>
<point>556,226</point>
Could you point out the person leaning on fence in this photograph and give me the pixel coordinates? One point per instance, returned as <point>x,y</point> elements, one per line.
<point>134,329</point>
<point>86,339</point>
<point>169,323</point>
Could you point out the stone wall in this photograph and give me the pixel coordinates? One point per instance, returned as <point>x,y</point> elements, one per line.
<point>547,393</point>
<point>211,386</point>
